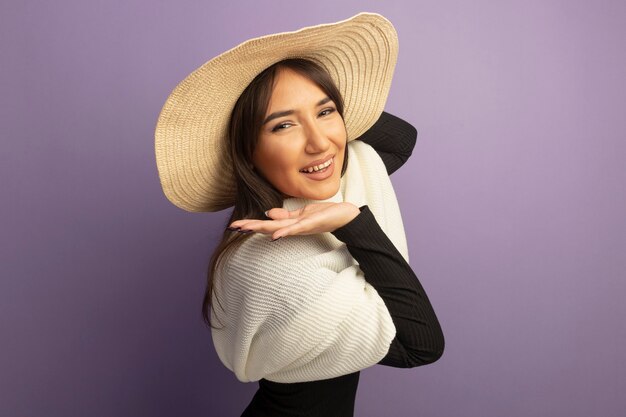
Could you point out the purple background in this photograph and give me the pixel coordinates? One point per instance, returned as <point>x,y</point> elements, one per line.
<point>513,203</point>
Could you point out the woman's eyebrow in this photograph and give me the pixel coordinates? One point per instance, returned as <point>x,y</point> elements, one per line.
<point>278,114</point>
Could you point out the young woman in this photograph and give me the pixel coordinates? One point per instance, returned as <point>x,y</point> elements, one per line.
<point>311,277</point>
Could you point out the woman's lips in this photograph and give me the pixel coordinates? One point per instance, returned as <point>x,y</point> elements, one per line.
<point>318,162</point>
<point>321,175</point>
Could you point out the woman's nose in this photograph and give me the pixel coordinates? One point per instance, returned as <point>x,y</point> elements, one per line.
<point>316,139</point>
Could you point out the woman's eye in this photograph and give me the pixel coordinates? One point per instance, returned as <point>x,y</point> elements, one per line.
<point>327,111</point>
<point>280,127</point>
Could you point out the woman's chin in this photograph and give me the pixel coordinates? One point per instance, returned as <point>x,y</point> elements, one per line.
<point>324,192</point>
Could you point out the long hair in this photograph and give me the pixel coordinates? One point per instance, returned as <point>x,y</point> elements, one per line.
<point>254,194</point>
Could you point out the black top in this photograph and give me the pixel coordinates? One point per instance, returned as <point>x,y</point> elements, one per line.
<point>419,339</point>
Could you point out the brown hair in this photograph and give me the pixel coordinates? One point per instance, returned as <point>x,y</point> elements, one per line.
<point>254,194</point>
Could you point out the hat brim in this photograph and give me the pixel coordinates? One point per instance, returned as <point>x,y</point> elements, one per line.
<point>194,166</point>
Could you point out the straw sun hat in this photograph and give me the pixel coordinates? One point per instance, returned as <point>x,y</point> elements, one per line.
<point>192,157</point>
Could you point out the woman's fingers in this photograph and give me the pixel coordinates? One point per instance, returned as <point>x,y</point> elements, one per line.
<point>262,226</point>
<point>279,213</point>
<point>278,228</point>
<point>276,213</point>
<point>310,219</point>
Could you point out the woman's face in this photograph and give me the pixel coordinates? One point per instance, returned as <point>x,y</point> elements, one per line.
<point>302,128</point>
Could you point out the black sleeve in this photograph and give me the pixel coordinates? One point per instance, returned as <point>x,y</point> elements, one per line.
<point>419,339</point>
<point>393,139</point>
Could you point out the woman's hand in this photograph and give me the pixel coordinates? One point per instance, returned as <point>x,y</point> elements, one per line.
<point>310,219</point>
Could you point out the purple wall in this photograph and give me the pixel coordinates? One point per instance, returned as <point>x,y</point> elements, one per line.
<point>513,202</point>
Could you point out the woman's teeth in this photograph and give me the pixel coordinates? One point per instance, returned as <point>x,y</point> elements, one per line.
<point>320,167</point>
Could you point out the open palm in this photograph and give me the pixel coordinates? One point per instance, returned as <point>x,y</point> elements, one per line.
<point>310,219</point>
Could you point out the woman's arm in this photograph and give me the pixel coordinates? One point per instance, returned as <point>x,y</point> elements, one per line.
<point>393,139</point>
<point>419,339</point>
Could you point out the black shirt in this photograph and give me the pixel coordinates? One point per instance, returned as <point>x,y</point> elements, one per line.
<point>419,339</point>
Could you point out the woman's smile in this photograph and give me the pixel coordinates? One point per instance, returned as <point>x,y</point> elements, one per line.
<point>321,174</point>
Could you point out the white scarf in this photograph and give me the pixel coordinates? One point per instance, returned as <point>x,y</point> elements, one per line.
<point>299,309</point>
